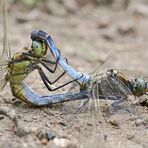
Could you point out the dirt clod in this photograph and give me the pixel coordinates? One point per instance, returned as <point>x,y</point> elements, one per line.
<point>22,131</point>
<point>10,113</point>
<point>1,117</point>
<point>126,29</point>
<point>114,122</point>
<point>44,141</point>
<point>63,143</point>
<point>139,122</point>
<point>45,134</point>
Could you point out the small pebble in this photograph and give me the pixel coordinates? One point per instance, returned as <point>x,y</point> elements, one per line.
<point>50,135</point>
<point>64,143</point>
<point>43,134</point>
<point>48,124</point>
<point>1,117</point>
<point>62,123</point>
<point>44,141</point>
<point>114,122</point>
<point>139,122</point>
<point>126,29</point>
<point>22,131</point>
<point>131,136</point>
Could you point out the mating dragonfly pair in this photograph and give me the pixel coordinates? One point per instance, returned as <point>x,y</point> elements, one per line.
<point>110,85</point>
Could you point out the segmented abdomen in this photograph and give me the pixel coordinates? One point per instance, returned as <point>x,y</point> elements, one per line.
<point>19,92</point>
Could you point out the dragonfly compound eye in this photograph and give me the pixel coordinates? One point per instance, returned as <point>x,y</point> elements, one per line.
<point>139,86</point>
<point>37,49</point>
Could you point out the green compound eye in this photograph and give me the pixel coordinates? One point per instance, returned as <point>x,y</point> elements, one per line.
<point>37,50</point>
<point>36,45</point>
<point>139,86</point>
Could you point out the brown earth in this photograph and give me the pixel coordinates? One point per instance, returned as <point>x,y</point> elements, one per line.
<point>91,35</point>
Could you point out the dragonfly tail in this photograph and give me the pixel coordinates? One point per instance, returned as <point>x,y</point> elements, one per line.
<point>24,93</point>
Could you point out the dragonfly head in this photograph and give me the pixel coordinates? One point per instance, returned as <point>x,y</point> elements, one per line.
<point>140,86</point>
<point>38,49</point>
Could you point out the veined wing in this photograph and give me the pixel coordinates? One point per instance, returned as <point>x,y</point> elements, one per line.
<point>117,94</point>
<point>81,115</point>
<point>6,53</point>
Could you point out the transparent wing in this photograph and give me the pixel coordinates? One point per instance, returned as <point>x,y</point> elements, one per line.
<point>114,89</point>
<point>119,99</point>
<point>82,116</point>
<point>5,53</point>
<point>108,99</point>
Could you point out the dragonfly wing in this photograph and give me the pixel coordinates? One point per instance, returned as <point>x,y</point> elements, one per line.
<point>79,115</point>
<point>112,87</point>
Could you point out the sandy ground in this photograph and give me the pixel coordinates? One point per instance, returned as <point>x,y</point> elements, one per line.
<point>91,37</point>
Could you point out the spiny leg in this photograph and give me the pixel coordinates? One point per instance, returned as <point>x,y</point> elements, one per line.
<point>43,61</point>
<point>29,55</point>
<point>53,62</point>
<point>52,71</point>
<point>82,106</point>
<point>47,81</point>
<point>44,64</point>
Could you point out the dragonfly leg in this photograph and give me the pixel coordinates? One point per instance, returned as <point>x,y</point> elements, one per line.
<point>52,71</point>
<point>29,55</point>
<point>52,62</point>
<point>82,106</point>
<point>47,81</point>
<point>49,69</point>
<point>43,62</point>
<point>49,61</point>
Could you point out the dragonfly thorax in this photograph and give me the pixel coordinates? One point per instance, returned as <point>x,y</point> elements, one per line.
<point>19,68</point>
